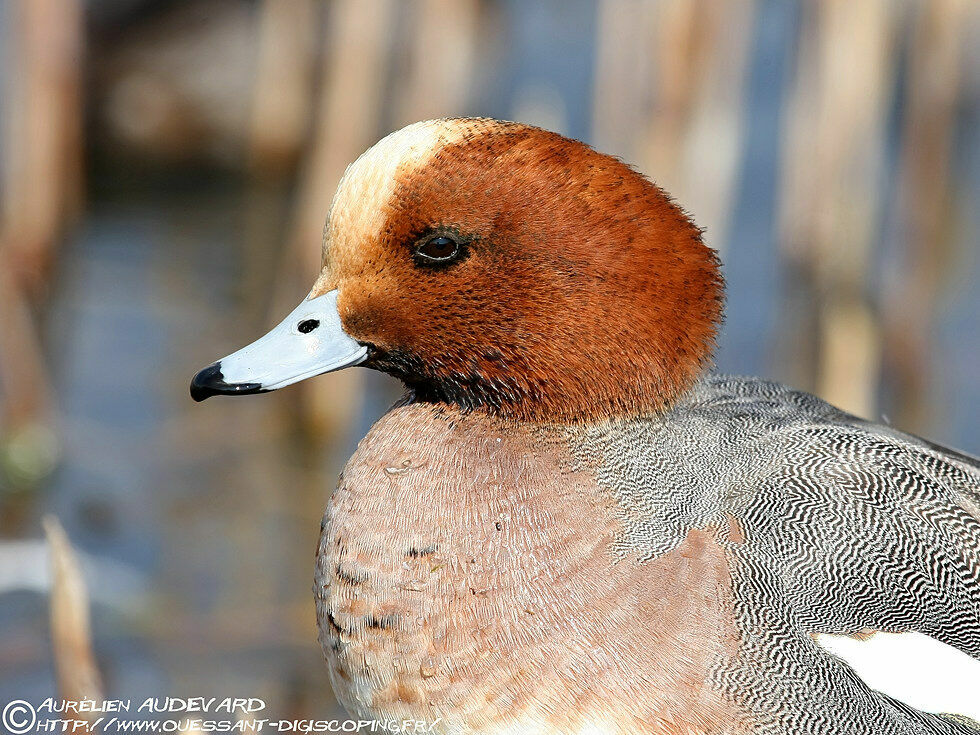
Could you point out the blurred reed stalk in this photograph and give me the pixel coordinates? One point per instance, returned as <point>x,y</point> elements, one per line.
<point>283,89</point>
<point>282,97</point>
<point>830,209</point>
<point>424,88</point>
<point>76,671</point>
<point>694,134</point>
<point>925,203</point>
<point>26,396</point>
<point>43,154</point>
<point>623,76</point>
<point>42,188</point>
<point>669,96</point>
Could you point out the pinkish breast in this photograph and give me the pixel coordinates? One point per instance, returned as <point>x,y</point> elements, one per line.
<point>465,573</point>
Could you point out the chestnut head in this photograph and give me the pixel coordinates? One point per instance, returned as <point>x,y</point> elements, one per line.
<point>500,266</point>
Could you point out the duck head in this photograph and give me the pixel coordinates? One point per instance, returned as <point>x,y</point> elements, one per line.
<point>496,265</point>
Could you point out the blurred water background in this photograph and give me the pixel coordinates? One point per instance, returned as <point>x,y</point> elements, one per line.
<point>166,169</point>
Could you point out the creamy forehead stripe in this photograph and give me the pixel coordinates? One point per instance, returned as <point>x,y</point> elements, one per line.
<point>359,205</point>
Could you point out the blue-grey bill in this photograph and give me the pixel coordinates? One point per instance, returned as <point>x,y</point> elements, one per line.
<point>310,341</point>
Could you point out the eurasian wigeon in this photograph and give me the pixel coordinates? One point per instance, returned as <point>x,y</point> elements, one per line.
<point>570,524</point>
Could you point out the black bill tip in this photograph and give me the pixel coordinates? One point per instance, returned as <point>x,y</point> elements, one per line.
<point>210,382</point>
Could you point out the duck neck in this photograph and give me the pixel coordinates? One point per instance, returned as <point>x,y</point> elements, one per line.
<point>536,402</point>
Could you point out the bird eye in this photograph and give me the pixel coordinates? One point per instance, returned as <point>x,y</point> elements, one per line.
<point>308,325</point>
<point>438,249</point>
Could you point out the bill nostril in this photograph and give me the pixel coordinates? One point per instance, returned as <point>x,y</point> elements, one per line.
<point>308,325</point>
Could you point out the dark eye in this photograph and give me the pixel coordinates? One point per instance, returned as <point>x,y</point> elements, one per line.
<point>438,249</point>
<point>308,325</point>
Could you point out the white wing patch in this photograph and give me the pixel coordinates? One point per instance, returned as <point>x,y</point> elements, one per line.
<point>914,669</point>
